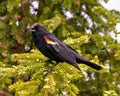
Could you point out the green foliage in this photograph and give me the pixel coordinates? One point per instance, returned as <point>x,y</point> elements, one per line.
<point>27,76</point>
<point>87,29</point>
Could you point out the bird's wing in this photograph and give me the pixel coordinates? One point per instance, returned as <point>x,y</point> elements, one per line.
<point>59,49</point>
<point>72,51</point>
<point>66,53</point>
<point>52,43</point>
<point>62,43</point>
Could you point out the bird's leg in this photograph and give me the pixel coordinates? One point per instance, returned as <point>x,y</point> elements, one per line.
<point>41,84</point>
<point>51,68</point>
<point>49,61</point>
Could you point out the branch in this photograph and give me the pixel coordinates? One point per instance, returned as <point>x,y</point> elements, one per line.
<point>4,93</point>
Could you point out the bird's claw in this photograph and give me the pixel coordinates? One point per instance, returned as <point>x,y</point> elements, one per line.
<point>48,71</point>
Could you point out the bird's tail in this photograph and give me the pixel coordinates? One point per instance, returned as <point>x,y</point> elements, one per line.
<point>94,66</point>
<point>90,64</point>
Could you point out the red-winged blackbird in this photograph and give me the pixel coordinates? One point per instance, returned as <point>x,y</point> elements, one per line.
<point>54,49</point>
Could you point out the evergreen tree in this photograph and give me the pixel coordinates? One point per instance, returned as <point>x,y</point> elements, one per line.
<point>83,24</point>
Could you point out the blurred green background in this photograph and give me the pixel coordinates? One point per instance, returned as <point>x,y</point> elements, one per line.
<point>83,24</point>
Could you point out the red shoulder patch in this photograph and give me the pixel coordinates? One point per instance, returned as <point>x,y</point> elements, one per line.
<point>49,41</point>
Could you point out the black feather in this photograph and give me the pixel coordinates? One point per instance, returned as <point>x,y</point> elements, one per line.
<point>56,49</point>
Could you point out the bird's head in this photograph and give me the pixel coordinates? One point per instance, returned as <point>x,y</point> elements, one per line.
<point>38,28</point>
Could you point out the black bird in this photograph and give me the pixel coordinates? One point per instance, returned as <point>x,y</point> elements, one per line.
<point>50,46</point>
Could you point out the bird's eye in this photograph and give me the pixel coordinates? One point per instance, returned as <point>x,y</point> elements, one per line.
<point>36,27</point>
<point>33,28</point>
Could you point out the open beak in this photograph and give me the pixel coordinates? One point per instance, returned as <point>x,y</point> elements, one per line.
<point>32,29</point>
